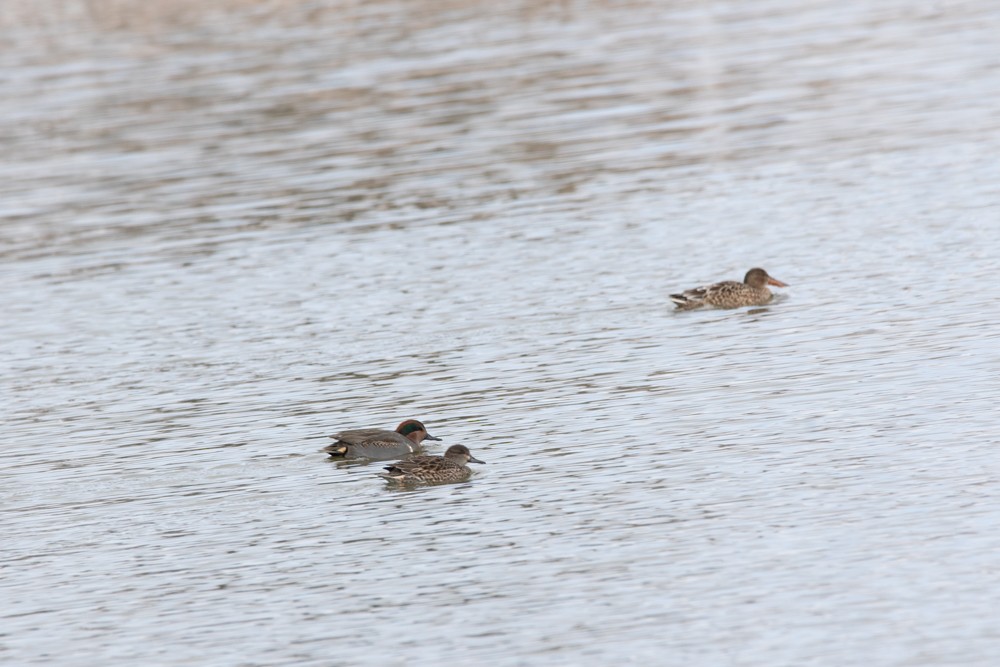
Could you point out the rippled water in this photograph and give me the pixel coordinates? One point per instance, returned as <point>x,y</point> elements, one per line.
<point>227,234</point>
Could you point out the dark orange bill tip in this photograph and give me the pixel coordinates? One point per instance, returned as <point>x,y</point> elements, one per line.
<point>775,282</point>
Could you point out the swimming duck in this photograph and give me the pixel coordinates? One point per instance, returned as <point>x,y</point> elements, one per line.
<point>433,469</point>
<point>729,293</point>
<point>379,444</point>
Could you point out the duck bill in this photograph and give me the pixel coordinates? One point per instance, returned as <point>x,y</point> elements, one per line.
<point>776,282</point>
<point>431,437</point>
<point>473,459</point>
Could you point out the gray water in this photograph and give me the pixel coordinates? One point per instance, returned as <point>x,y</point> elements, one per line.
<point>228,233</point>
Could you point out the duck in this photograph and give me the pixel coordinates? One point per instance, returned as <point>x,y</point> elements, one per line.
<point>432,469</point>
<point>379,444</point>
<point>730,293</point>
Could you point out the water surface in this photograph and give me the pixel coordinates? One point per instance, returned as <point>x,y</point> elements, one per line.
<point>225,235</point>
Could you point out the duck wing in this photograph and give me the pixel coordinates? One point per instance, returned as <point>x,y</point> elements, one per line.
<point>415,463</point>
<point>692,298</point>
<point>372,443</point>
<point>361,436</point>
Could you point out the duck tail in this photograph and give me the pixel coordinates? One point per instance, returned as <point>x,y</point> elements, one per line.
<point>686,301</point>
<point>337,450</point>
<point>392,474</point>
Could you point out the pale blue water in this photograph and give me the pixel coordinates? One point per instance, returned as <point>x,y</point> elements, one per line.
<point>222,242</point>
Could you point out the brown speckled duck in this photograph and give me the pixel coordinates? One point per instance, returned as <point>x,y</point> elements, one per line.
<point>379,444</point>
<point>729,293</point>
<point>432,469</point>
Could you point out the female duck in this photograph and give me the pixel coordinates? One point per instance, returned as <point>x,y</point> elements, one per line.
<point>729,293</point>
<point>433,469</point>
